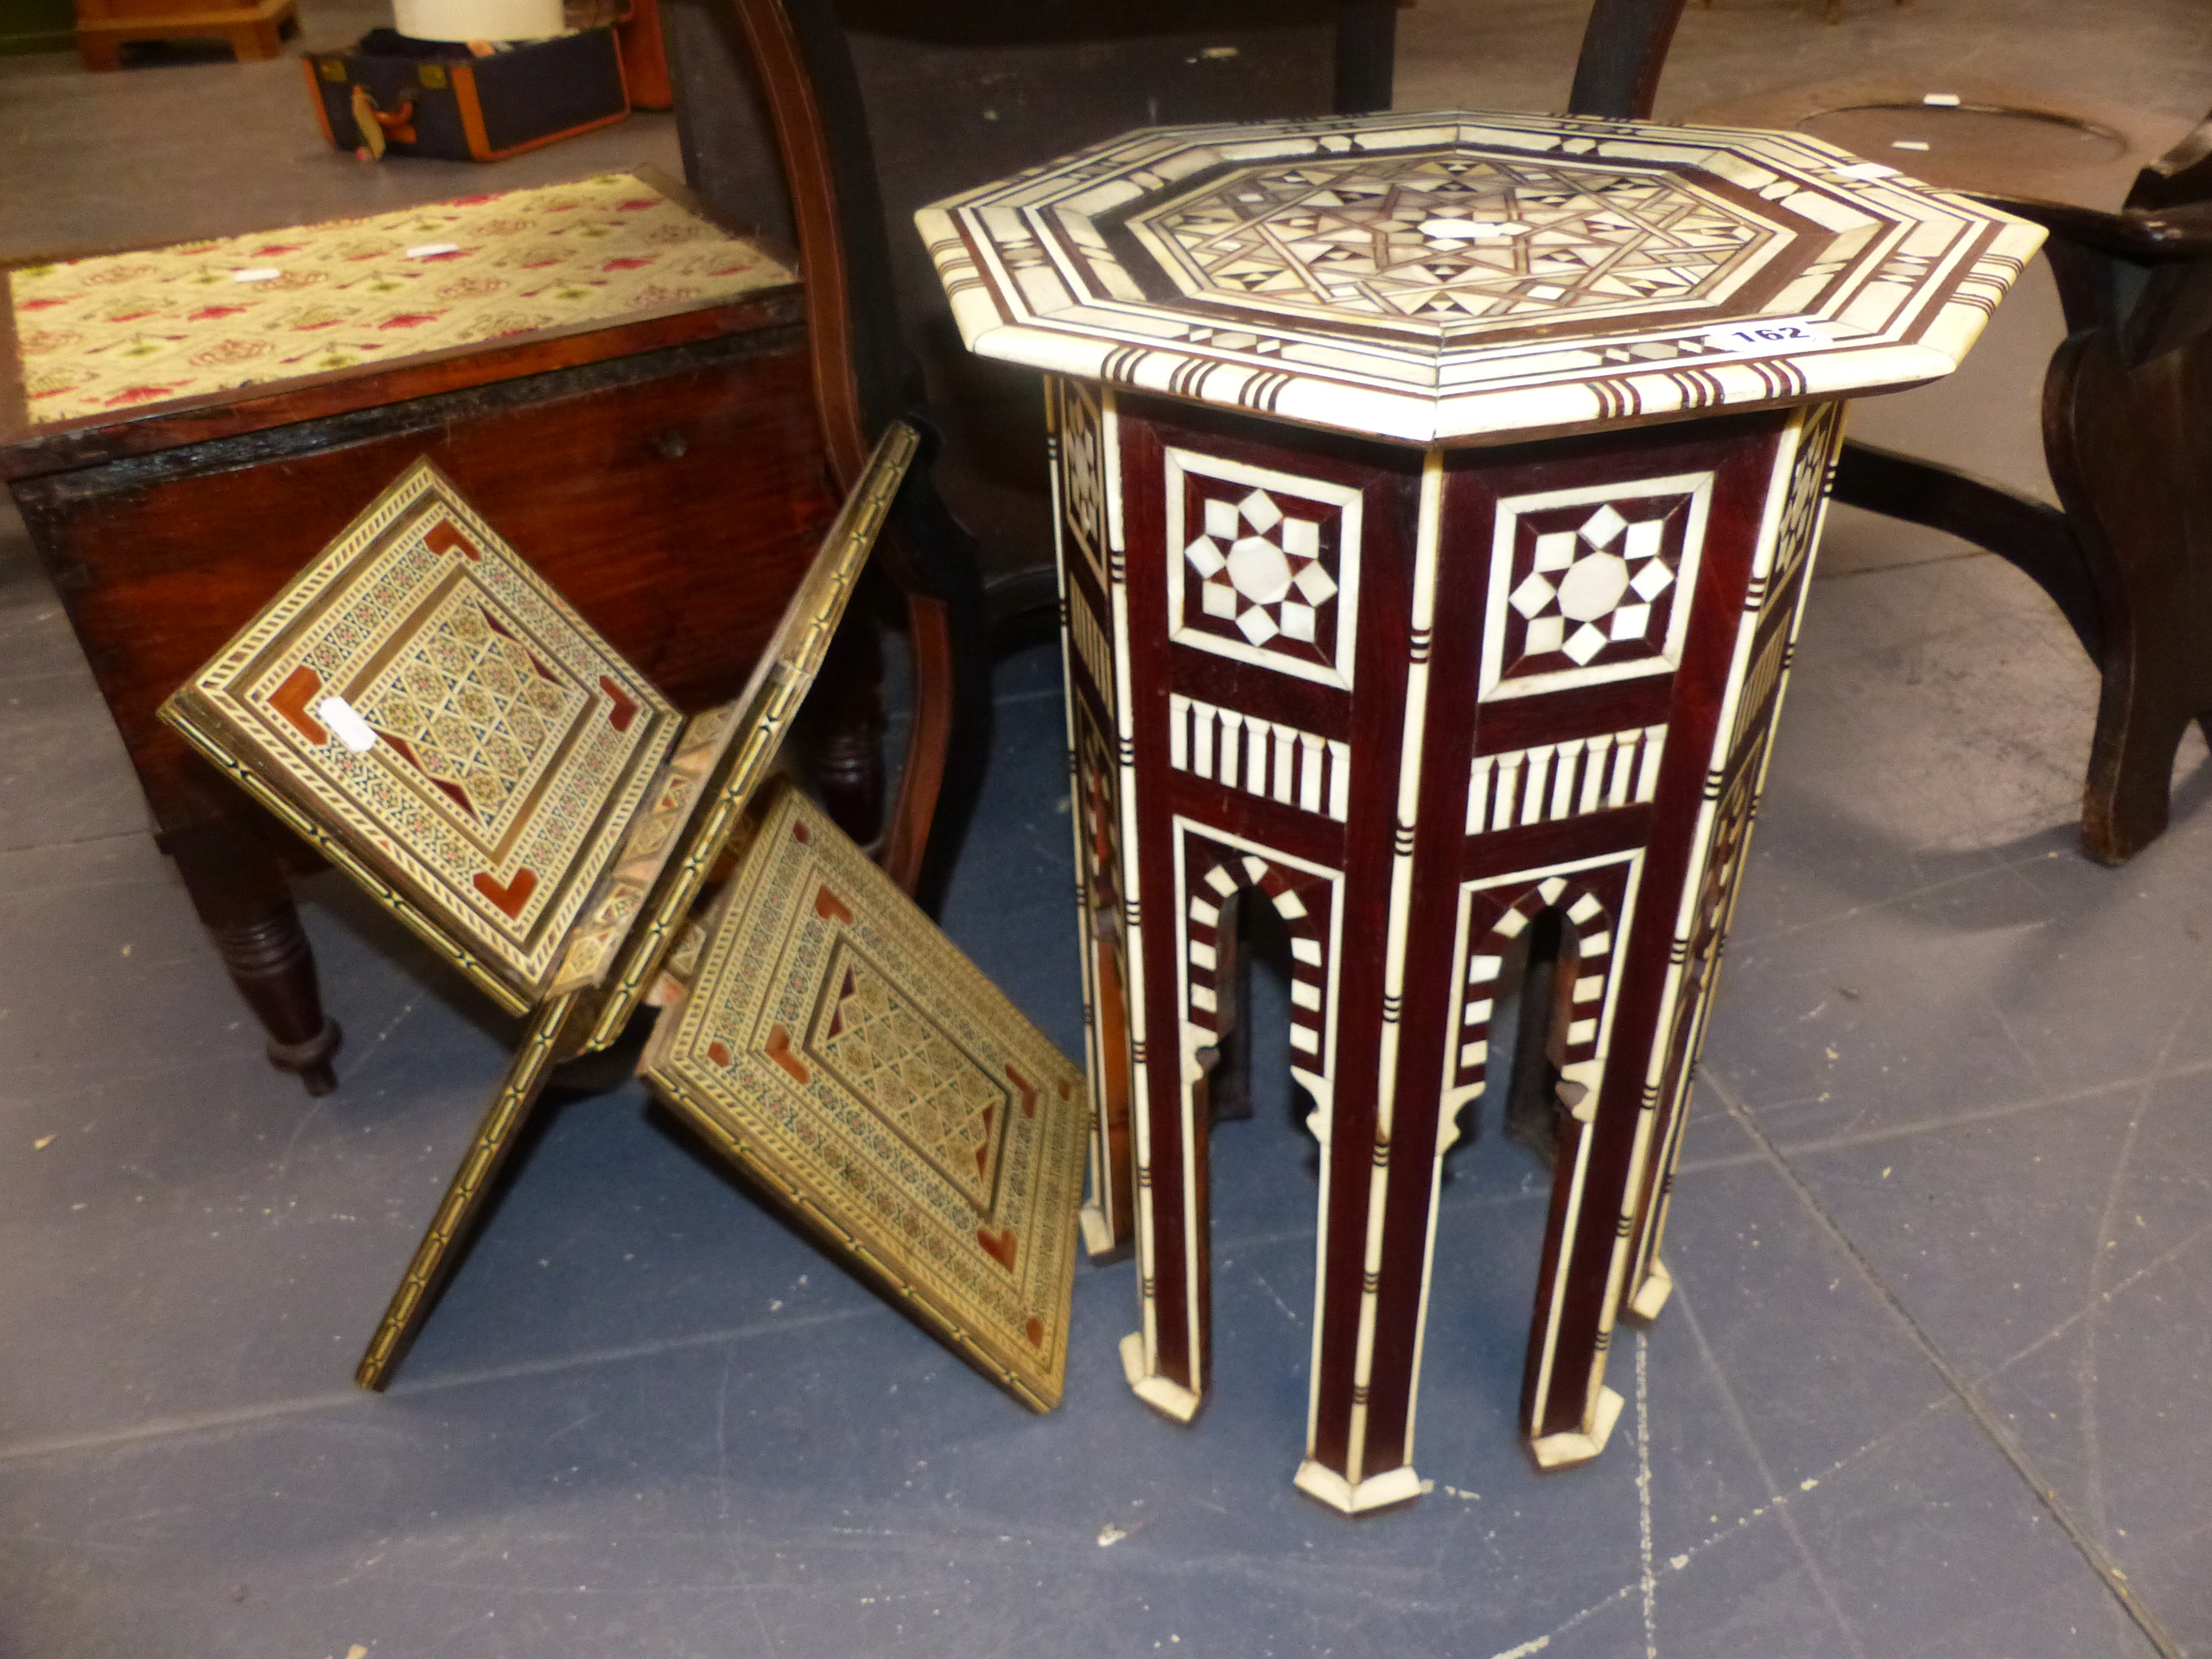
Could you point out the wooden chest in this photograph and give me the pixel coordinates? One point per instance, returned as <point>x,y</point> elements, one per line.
<point>254,28</point>
<point>654,444</point>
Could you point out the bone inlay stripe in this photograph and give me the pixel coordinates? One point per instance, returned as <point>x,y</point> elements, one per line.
<point>1260,757</point>
<point>1091,648</point>
<point>1552,781</point>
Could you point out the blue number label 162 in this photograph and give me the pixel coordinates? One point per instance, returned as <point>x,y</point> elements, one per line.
<point>1769,338</point>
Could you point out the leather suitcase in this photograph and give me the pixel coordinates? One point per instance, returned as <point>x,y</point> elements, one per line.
<point>472,109</point>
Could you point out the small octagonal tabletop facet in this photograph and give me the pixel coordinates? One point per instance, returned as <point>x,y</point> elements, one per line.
<point>1446,278</point>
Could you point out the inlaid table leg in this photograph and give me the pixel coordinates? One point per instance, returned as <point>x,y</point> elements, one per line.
<point>1080,427</point>
<point>1627,1097</point>
<point>240,896</point>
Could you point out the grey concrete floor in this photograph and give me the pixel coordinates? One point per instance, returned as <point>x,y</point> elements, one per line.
<point>1936,1365</point>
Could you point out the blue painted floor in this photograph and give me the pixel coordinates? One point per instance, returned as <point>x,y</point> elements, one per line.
<point>1932,1383</point>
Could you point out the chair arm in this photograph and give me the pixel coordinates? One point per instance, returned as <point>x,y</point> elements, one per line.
<point>2174,234</point>
<point>2183,173</point>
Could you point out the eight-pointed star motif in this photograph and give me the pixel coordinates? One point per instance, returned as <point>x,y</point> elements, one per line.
<point>1261,569</point>
<point>1593,586</point>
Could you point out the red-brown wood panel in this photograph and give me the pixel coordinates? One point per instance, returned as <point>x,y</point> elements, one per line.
<point>676,509</point>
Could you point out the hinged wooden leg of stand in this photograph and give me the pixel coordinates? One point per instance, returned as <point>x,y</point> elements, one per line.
<point>441,1250</point>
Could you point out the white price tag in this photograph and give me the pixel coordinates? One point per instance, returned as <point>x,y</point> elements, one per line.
<point>1775,338</point>
<point>352,731</point>
<point>1941,100</point>
<point>266,275</point>
<point>1472,230</point>
<point>1908,144</point>
<point>432,250</point>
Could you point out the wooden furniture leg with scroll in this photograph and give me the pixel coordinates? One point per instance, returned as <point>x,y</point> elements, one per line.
<point>2131,451</point>
<point>2128,561</point>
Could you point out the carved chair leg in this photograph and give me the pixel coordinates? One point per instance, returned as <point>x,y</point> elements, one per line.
<point>2121,442</point>
<point>2125,799</point>
<point>239,890</point>
<point>921,776</point>
<point>846,714</point>
<point>933,560</point>
<point>2116,562</point>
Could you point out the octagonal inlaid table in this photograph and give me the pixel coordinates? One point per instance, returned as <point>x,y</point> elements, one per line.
<point>1438,494</point>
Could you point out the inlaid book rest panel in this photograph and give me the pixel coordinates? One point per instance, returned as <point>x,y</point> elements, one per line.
<point>444,727</point>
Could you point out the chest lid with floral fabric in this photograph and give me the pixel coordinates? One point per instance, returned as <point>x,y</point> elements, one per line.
<point>121,331</point>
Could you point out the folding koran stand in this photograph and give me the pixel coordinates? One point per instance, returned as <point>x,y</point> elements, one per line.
<point>442,727</point>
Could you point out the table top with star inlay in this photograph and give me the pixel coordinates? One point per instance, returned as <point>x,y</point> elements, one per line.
<point>1473,277</point>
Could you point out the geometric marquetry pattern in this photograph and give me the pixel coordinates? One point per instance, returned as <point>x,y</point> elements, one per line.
<point>1490,934</point>
<point>1091,649</point>
<point>1099,811</point>
<point>511,745</point>
<point>1259,568</point>
<point>888,1050</point>
<point>1435,275</point>
<point>1759,682</point>
<point>1809,490</point>
<point>873,1080</point>
<point>1699,952</point>
<point>1550,781</point>
<point>1590,585</point>
<point>1780,587</point>
<point>1443,238</point>
<point>1263,566</point>
<point>1437,279</point>
<point>1082,459</point>
<point>1217,875</point>
<point>1731,836</point>
<point>471,706</point>
<point>1260,757</point>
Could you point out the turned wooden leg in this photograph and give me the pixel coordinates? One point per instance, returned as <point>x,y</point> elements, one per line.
<point>240,893</point>
<point>269,960</point>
